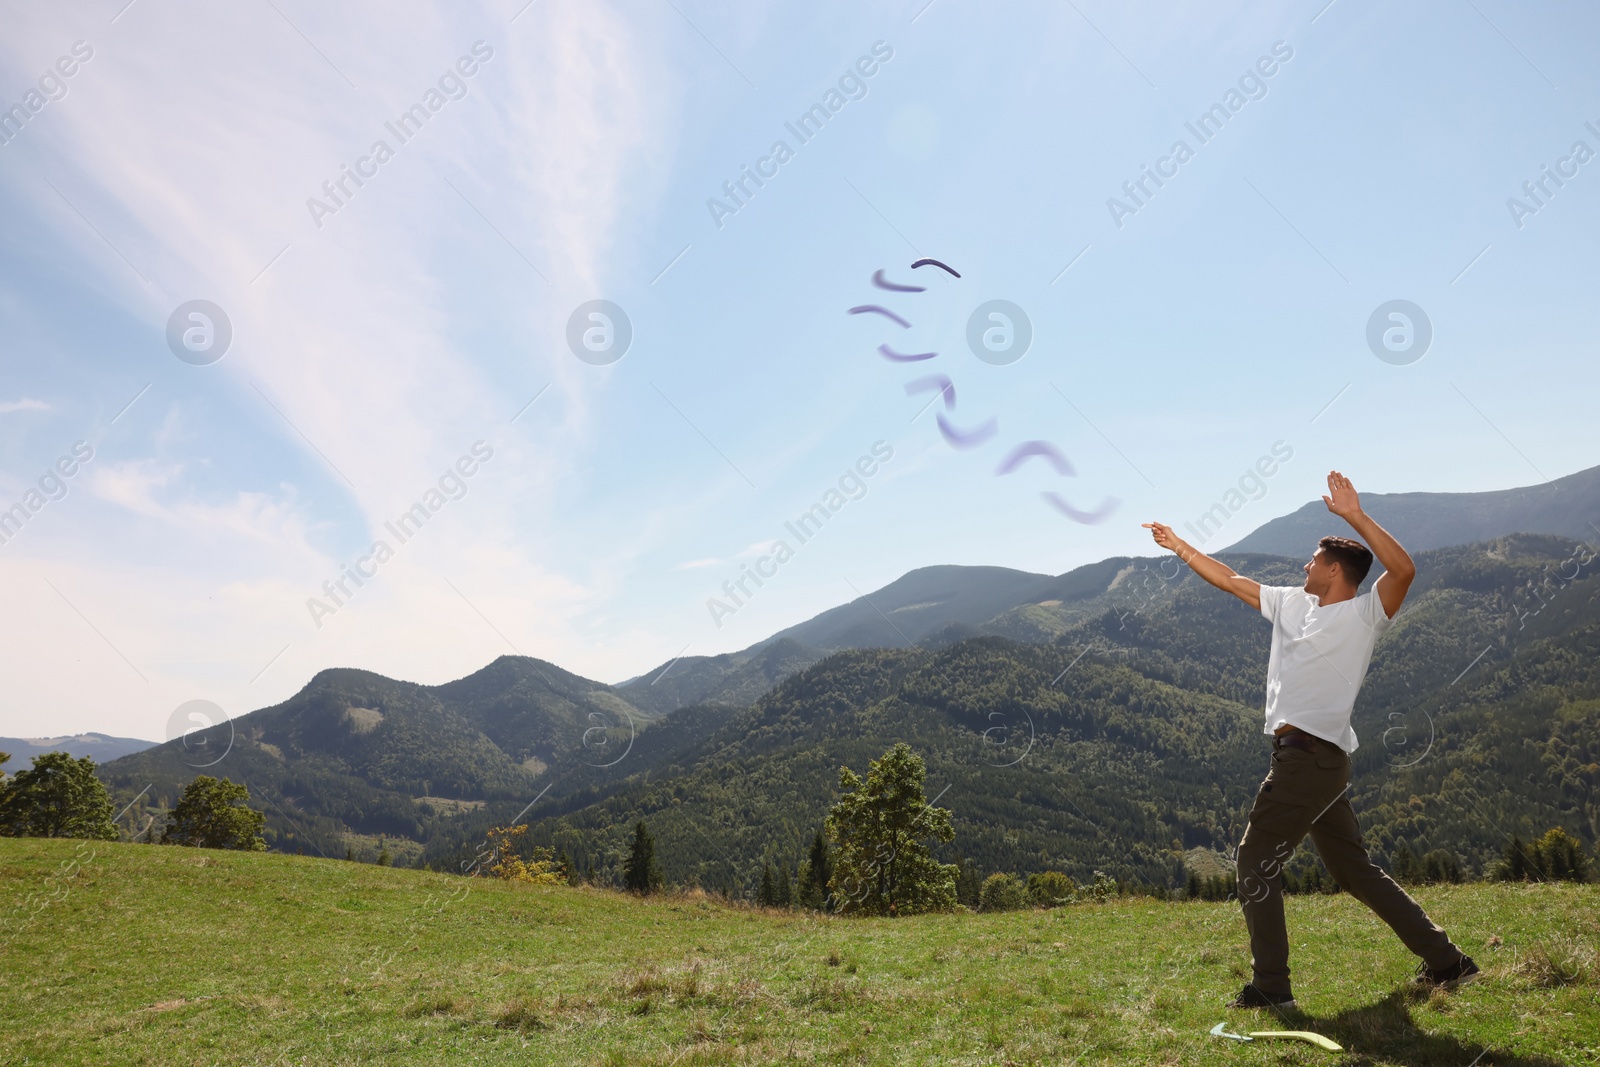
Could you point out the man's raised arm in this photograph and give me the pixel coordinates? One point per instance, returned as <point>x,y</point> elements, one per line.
<point>1218,574</point>
<point>1398,569</point>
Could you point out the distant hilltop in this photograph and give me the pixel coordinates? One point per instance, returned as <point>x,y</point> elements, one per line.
<point>102,747</point>
<point>1567,507</point>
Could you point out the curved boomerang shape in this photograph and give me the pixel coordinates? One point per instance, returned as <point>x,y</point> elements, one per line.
<point>1018,455</point>
<point>959,439</point>
<point>933,263</point>
<point>881,283</point>
<point>865,309</point>
<point>1087,518</point>
<point>903,357</point>
<point>934,381</point>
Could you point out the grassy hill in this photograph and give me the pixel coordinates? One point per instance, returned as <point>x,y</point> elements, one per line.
<point>177,957</point>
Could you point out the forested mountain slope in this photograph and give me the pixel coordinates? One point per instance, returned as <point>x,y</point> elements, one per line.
<point>1136,733</point>
<point>1122,730</point>
<point>355,753</point>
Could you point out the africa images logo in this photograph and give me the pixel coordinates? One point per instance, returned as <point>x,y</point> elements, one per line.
<point>1399,332</point>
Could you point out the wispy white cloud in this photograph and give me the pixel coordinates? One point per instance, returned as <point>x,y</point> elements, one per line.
<point>354,353</point>
<point>25,404</point>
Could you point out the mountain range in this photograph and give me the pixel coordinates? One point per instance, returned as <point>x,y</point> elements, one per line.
<point>1105,718</point>
<point>1568,507</point>
<point>102,747</point>
<point>956,600</point>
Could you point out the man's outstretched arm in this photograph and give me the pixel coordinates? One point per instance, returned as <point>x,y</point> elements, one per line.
<point>1398,569</point>
<point>1218,574</point>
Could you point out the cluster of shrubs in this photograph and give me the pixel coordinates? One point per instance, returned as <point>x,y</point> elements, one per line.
<point>1052,889</point>
<point>61,797</point>
<point>1555,857</point>
<point>809,886</point>
<point>1437,867</point>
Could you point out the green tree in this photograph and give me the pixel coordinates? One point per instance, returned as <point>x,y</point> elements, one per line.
<point>1002,892</point>
<point>767,894</point>
<point>57,797</point>
<point>783,895</point>
<point>640,873</point>
<point>1404,866</point>
<point>1514,866</point>
<point>815,874</point>
<point>881,865</point>
<point>969,882</point>
<point>1560,857</point>
<point>1557,856</point>
<point>206,816</point>
<point>1050,889</point>
<point>1441,865</point>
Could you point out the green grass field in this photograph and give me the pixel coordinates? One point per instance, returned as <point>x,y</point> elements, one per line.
<point>155,955</point>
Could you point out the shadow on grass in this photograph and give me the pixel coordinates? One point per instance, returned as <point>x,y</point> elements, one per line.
<point>1384,1031</point>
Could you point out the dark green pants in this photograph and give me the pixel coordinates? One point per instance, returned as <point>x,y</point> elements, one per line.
<point>1306,793</point>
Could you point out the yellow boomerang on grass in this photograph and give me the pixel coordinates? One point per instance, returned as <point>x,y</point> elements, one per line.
<point>1293,1035</point>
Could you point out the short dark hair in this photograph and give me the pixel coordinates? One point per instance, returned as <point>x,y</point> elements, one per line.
<point>1353,557</point>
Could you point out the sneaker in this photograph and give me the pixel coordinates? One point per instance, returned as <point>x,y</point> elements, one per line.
<point>1251,997</point>
<point>1454,976</point>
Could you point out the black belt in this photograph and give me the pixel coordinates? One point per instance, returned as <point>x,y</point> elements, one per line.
<point>1297,738</point>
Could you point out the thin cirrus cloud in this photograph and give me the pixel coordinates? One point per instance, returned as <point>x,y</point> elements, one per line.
<point>8,407</point>
<point>349,359</point>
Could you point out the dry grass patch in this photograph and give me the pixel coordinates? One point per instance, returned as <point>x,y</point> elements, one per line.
<point>644,983</point>
<point>173,1005</point>
<point>1561,961</point>
<point>832,995</point>
<point>438,1004</point>
<point>689,982</point>
<point>521,1014</point>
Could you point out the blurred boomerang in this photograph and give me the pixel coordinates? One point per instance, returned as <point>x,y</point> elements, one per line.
<point>967,439</point>
<point>1088,518</point>
<point>883,283</point>
<point>1043,449</point>
<point>874,309</point>
<point>903,357</point>
<point>940,382</point>
<point>934,263</point>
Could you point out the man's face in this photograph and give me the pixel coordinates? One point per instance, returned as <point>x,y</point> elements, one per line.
<point>1320,574</point>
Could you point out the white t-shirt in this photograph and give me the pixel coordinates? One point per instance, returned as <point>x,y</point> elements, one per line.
<point>1319,659</point>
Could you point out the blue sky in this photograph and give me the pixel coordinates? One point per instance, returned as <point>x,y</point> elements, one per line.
<point>373,346</point>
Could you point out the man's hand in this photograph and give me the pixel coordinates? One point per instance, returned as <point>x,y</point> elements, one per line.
<point>1341,498</point>
<point>1398,569</point>
<point>1163,536</point>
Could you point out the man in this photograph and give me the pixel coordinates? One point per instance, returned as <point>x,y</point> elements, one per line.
<point>1322,638</point>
